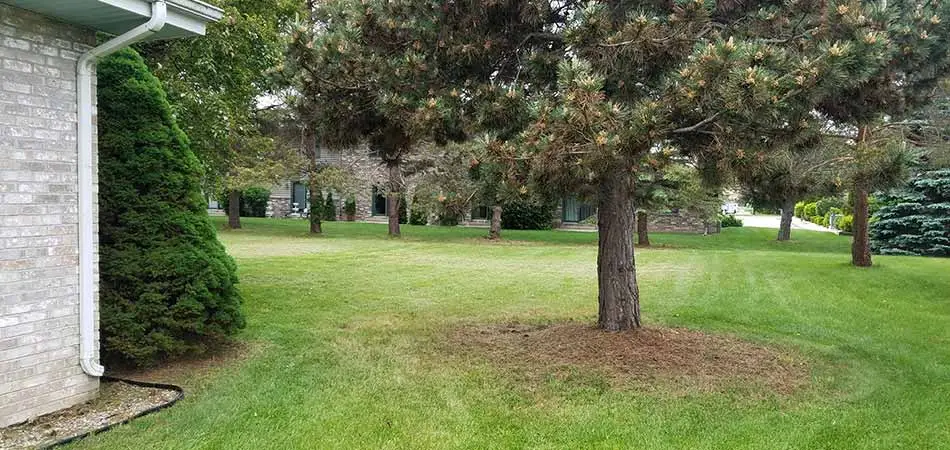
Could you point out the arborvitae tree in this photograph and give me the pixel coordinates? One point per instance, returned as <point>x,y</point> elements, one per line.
<point>167,286</point>
<point>403,210</point>
<point>329,208</point>
<point>916,220</point>
<point>716,79</point>
<point>917,57</point>
<point>397,74</point>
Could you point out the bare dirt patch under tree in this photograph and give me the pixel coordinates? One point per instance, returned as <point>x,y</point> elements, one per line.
<point>652,357</point>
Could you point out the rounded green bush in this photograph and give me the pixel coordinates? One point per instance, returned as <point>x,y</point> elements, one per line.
<point>810,210</point>
<point>800,210</point>
<point>254,202</point>
<point>846,223</point>
<point>728,221</point>
<point>167,287</point>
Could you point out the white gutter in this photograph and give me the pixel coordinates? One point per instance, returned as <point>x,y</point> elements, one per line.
<point>86,65</point>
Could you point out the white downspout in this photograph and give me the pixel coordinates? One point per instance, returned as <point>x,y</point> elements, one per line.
<point>86,65</point>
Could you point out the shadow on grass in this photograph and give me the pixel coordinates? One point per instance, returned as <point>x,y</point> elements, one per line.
<point>753,239</point>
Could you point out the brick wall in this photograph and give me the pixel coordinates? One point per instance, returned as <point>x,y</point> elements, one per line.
<point>39,275</point>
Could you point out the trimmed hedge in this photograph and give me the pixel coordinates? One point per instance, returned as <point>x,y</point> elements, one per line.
<point>167,287</point>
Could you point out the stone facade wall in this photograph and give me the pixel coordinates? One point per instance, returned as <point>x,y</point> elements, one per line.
<point>39,250</point>
<point>662,223</point>
<point>681,223</point>
<point>367,171</point>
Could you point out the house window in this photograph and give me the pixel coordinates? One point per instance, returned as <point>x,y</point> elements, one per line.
<point>379,202</point>
<point>480,213</point>
<point>298,195</point>
<point>574,210</point>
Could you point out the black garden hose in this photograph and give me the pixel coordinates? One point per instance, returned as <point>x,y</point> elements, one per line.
<point>146,384</point>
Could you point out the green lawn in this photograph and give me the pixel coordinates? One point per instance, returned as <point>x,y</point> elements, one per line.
<point>347,331</point>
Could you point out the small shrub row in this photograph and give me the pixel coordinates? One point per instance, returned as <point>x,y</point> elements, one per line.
<point>820,212</point>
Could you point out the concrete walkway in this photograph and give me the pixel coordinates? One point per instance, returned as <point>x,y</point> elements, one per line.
<point>766,221</point>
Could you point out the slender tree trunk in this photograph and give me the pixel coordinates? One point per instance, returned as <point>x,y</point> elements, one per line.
<point>234,209</point>
<point>785,227</point>
<point>309,144</point>
<point>861,242</point>
<point>316,204</point>
<point>618,294</point>
<point>494,232</point>
<point>392,197</point>
<point>861,245</point>
<point>643,229</point>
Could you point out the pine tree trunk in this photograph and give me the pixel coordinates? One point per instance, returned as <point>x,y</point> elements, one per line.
<point>392,197</point>
<point>316,204</point>
<point>618,294</point>
<point>309,144</point>
<point>861,242</point>
<point>643,232</point>
<point>785,227</point>
<point>861,245</point>
<point>234,210</point>
<point>494,232</point>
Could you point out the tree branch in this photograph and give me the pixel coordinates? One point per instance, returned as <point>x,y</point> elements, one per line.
<point>696,126</point>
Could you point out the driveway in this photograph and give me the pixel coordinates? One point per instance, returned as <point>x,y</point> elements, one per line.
<point>767,221</point>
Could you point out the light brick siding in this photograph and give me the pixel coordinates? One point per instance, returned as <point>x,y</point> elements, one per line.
<point>39,256</point>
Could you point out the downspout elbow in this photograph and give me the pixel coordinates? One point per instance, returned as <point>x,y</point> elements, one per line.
<point>85,66</point>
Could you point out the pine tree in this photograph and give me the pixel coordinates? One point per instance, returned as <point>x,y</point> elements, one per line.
<point>396,74</point>
<point>917,57</point>
<point>788,174</point>
<point>167,286</point>
<point>916,220</point>
<point>719,82</point>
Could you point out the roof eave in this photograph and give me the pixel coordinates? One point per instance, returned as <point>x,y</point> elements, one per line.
<point>200,10</point>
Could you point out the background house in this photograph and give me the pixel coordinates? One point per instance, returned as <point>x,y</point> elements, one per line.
<point>289,197</point>
<point>48,250</point>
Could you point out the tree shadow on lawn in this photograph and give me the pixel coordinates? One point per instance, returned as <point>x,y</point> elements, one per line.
<point>755,239</point>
